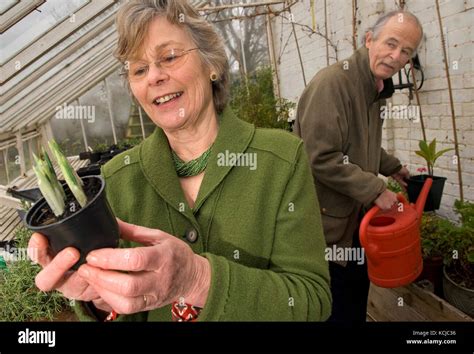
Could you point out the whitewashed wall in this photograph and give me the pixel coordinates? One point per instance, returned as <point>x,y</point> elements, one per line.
<point>400,136</point>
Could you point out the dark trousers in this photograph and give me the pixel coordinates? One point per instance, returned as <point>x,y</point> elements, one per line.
<point>350,290</point>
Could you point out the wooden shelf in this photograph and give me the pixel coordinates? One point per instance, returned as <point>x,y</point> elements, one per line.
<point>410,303</point>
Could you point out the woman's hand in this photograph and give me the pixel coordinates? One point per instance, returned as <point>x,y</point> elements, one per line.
<point>144,278</point>
<point>56,274</point>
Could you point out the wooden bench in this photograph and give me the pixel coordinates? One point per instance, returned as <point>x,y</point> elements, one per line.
<point>410,303</point>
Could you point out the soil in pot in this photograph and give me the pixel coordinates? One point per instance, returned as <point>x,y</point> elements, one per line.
<point>47,217</point>
<point>433,201</point>
<point>86,229</point>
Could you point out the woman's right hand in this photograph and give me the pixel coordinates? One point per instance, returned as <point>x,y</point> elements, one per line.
<point>56,274</point>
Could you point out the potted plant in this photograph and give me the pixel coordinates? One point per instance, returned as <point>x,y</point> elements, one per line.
<point>415,183</point>
<point>458,281</point>
<point>102,153</point>
<point>75,213</point>
<point>95,154</point>
<point>434,245</point>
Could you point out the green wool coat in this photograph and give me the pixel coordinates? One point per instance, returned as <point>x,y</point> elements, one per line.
<point>339,120</point>
<point>258,225</point>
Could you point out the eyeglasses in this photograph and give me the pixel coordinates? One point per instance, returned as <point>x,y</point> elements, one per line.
<point>171,59</point>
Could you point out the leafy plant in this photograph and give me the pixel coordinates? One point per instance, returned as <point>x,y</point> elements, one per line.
<point>434,232</point>
<point>253,100</point>
<point>460,261</point>
<point>466,211</point>
<point>20,299</point>
<point>123,144</point>
<point>395,187</point>
<point>48,182</point>
<point>454,243</point>
<point>102,147</point>
<point>129,143</point>
<point>429,153</point>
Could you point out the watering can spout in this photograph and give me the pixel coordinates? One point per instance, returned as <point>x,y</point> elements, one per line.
<point>420,202</point>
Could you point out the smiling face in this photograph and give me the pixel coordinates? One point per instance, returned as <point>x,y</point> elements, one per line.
<point>175,97</point>
<point>394,46</point>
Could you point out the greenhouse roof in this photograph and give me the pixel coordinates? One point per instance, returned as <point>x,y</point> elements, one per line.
<point>52,52</point>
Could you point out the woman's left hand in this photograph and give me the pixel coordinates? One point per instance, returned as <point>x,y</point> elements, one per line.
<point>137,279</point>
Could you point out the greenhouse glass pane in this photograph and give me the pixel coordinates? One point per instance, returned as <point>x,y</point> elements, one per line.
<point>5,5</point>
<point>68,132</point>
<point>13,163</point>
<point>35,25</point>
<point>3,170</point>
<point>26,152</point>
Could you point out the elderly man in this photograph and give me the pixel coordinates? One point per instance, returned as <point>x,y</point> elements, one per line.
<point>339,120</point>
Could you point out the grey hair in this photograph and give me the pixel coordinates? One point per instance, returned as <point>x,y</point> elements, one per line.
<point>134,18</point>
<point>382,21</point>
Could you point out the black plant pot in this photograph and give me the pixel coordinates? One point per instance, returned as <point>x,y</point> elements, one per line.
<point>89,228</point>
<point>415,184</point>
<point>30,195</point>
<point>93,157</point>
<point>433,271</point>
<point>93,169</point>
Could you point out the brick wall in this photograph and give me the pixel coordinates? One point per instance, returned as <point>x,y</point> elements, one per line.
<point>400,136</point>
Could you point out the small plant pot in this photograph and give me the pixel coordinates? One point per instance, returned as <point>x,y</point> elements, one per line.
<point>433,201</point>
<point>93,157</point>
<point>92,169</point>
<point>433,272</point>
<point>458,295</point>
<point>86,229</point>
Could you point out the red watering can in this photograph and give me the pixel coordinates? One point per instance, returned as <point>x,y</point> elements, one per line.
<point>392,243</point>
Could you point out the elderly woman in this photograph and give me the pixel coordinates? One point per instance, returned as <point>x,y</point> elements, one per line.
<point>222,220</point>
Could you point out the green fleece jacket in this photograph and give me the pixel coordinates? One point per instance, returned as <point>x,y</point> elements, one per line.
<point>258,225</point>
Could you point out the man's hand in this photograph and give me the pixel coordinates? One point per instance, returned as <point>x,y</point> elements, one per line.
<point>401,176</point>
<point>386,200</point>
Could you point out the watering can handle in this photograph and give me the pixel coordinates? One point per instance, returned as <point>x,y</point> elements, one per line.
<point>368,216</point>
<point>401,198</point>
<point>365,223</point>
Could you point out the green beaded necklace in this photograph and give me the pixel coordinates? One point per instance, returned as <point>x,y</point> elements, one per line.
<point>193,167</point>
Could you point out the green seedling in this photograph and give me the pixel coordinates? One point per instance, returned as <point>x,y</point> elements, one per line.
<point>48,182</point>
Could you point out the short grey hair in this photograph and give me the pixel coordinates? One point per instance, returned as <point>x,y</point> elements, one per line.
<point>134,18</point>
<point>382,21</point>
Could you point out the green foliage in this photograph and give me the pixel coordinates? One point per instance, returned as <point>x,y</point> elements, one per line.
<point>429,153</point>
<point>25,204</point>
<point>455,243</point>
<point>463,266</point>
<point>20,299</point>
<point>253,100</point>
<point>48,183</point>
<point>71,147</point>
<point>434,235</point>
<point>126,144</point>
<point>102,147</point>
<point>466,211</point>
<point>123,144</point>
<point>395,187</point>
